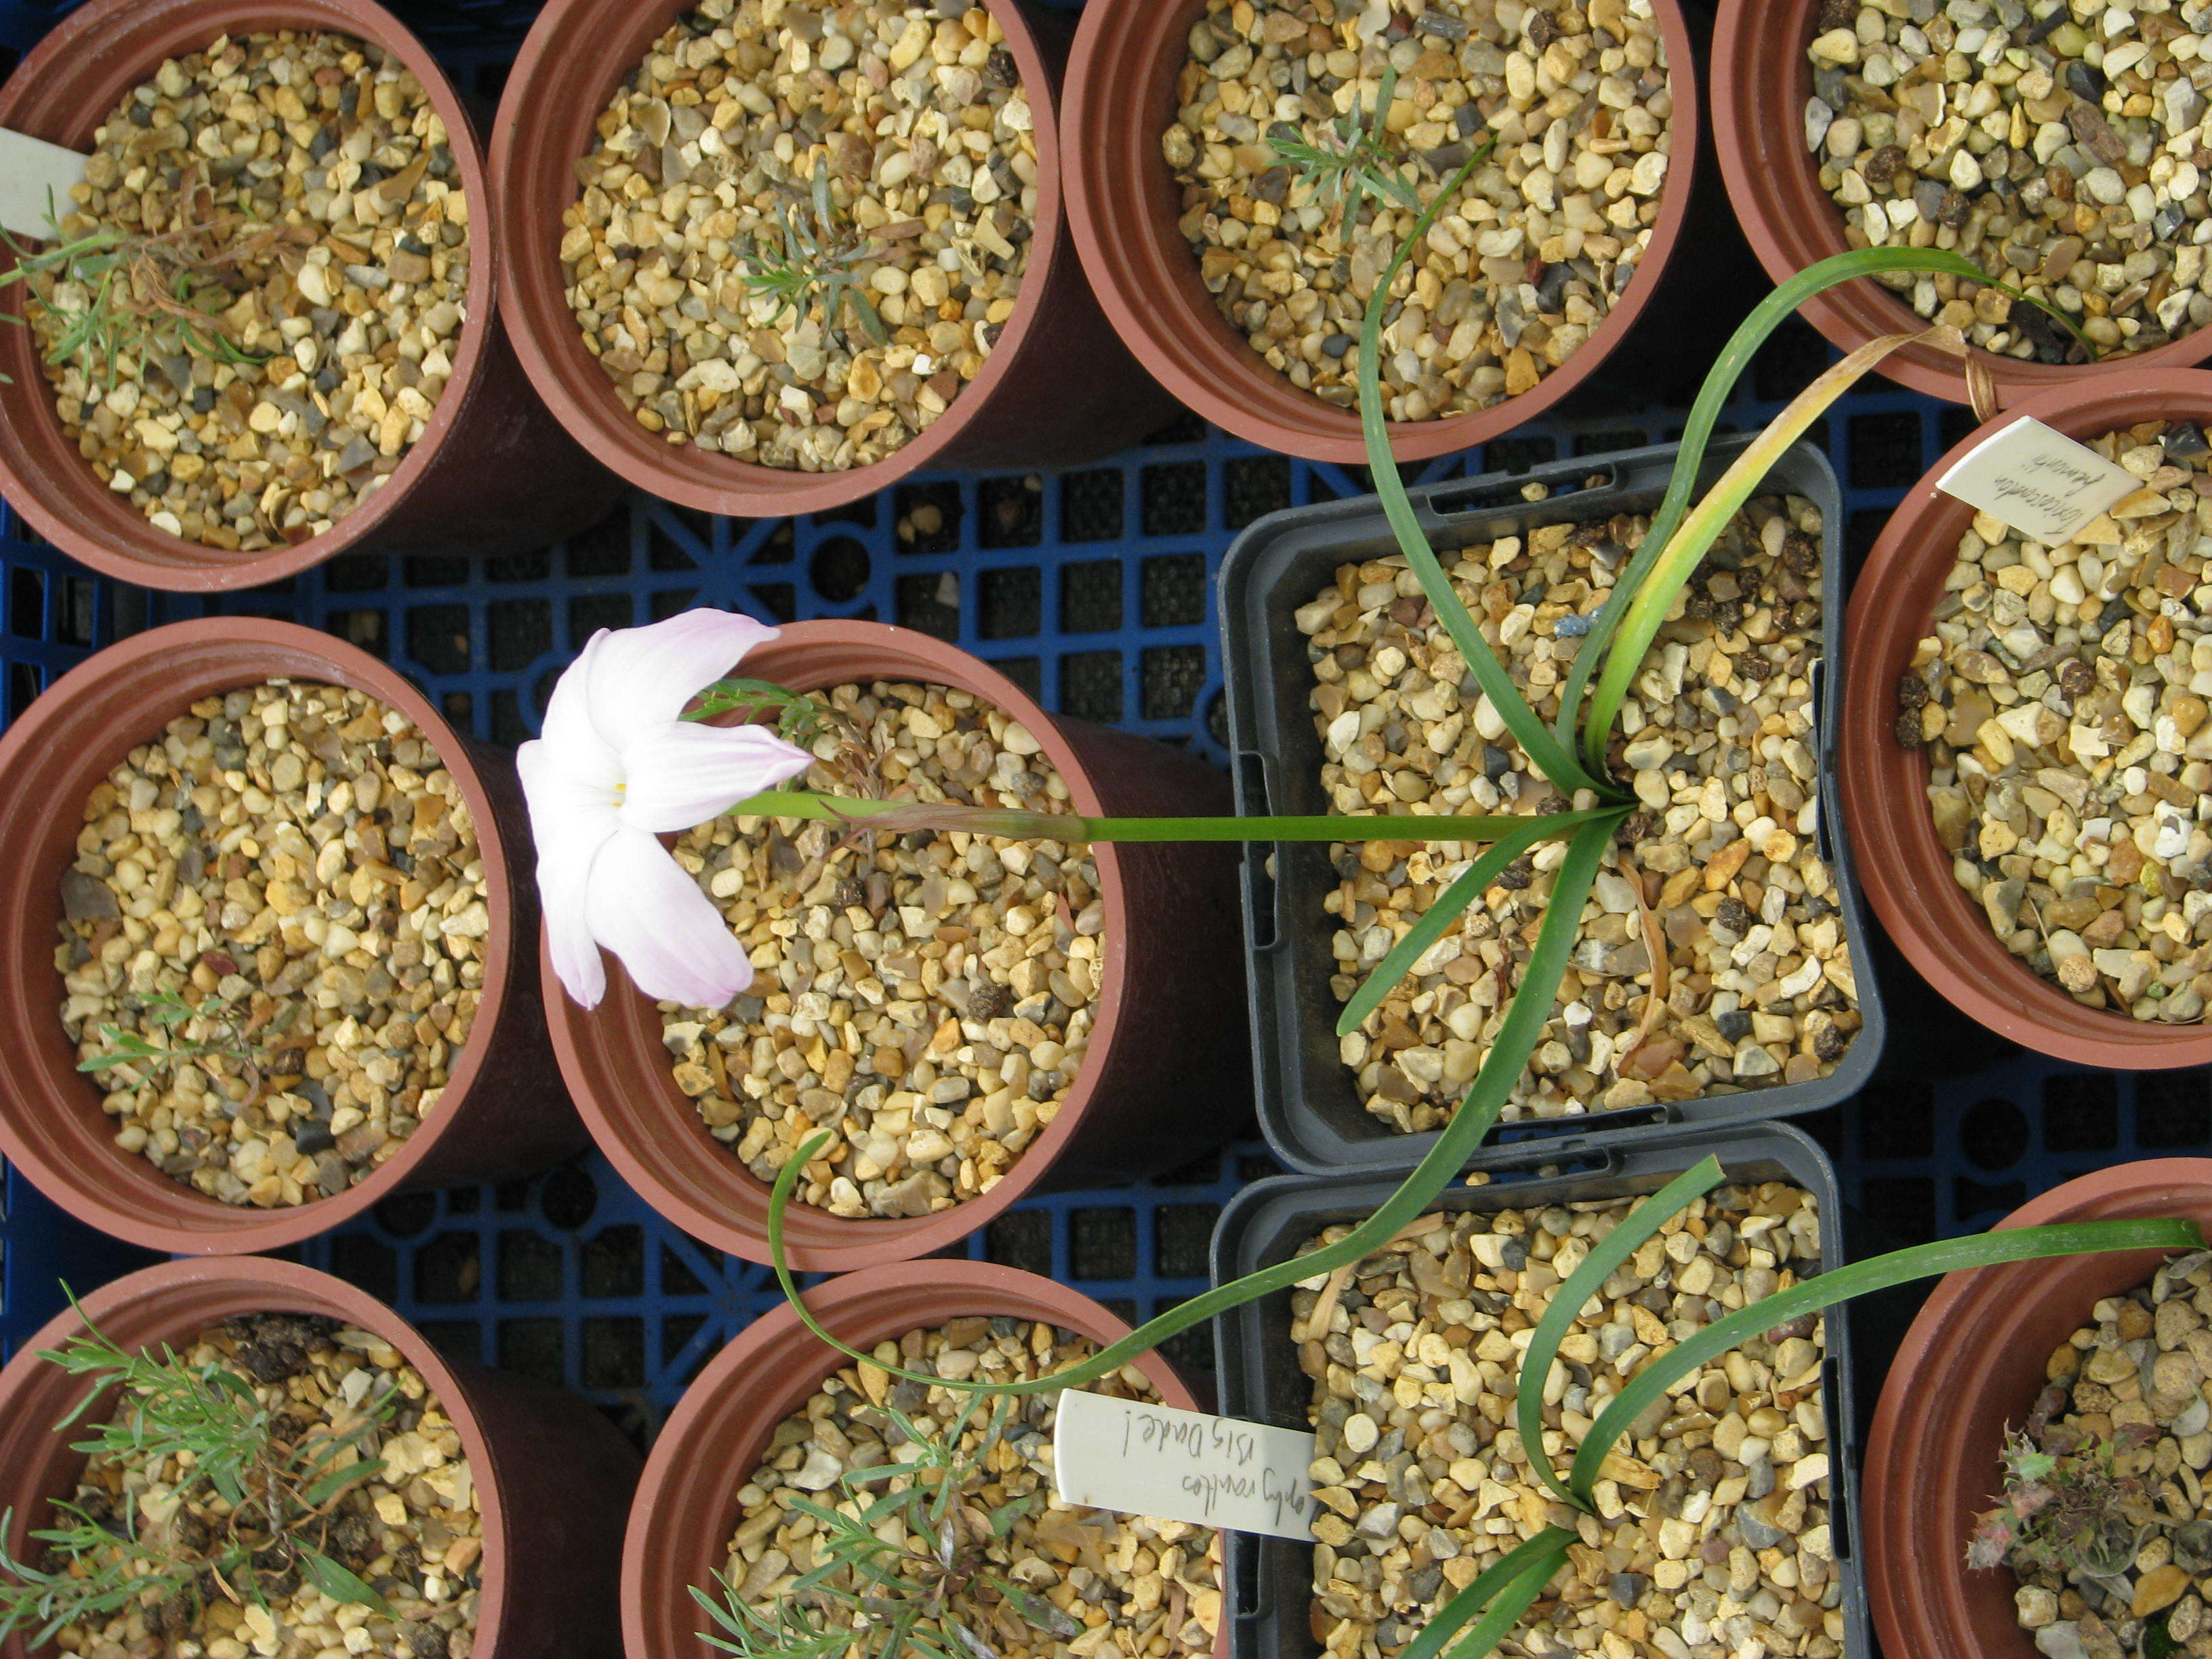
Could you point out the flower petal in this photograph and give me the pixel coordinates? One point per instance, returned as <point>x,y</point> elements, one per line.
<point>641,678</point>
<point>570,820</point>
<point>684,773</point>
<point>572,742</point>
<point>669,935</point>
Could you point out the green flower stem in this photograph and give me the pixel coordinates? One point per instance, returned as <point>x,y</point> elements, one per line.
<point>897,815</point>
<point>1548,1549</point>
<point>1900,1267</point>
<point>1553,756</point>
<point>1509,1056</point>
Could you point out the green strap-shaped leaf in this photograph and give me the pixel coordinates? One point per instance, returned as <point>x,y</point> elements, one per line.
<point>1600,1264</point>
<point>1511,1605</point>
<point>1554,758</point>
<point>1469,886</point>
<point>1650,1384</point>
<point>1705,415</point>
<point>1486,1098</point>
<point>1548,1546</point>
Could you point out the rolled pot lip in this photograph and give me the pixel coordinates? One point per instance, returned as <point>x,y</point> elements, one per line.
<point>570,380</point>
<point>816,1241</point>
<point>879,1303</point>
<point>1791,223</point>
<point>1905,871</point>
<point>1149,286</point>
<point>102,529</point>
<point>263,1285</point>
<point>118,1199</point>
<point>1964,1343</point>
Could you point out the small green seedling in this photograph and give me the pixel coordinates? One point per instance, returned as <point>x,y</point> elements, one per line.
<point>926,1589</point>
<point>1350,161</point>
<point>814,264</point>
<point>257,1497</point>
<point>231,1039</point>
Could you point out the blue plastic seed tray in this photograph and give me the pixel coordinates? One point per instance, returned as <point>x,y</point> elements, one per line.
<point>1094,587</point>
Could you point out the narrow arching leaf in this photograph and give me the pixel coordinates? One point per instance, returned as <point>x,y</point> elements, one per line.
<point>1705,413</point>
<point>1547,1546</point>
<point>1469,886</point>
<point>1947,1255</point>
<point>1555,759</point>
<point>1511,1605</point>
<point>1600,1264</point>
<point>1486,1098</point>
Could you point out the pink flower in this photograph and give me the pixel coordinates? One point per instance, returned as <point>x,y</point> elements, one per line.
<point>616,768</point>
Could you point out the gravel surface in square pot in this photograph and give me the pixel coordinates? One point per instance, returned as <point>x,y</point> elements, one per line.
<point>1762,82</point>
<point>687,1510</point>
<point>1969,1368</point>
<point>1161,1081</point>
<point>1312,1106</point>
<point>1942,930</point>
<point>492,473</point>
<point>1057,389</point>
<point>1263,1376</point>
<point>1126,205</point>
<point>552,1477</point>
<point>503,1112</point>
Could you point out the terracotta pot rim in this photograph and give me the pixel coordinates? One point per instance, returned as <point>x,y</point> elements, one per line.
<point>863,1308</point>
<point>1146,280</point>
<point>129,547</point>
<point>1964,1346</point>
<point>91,1192</point>
<point>288,1286</point>
<point>868,1241</point>
<point>1906,873</point>
<point>1789,229</point>
<point>574,386</point>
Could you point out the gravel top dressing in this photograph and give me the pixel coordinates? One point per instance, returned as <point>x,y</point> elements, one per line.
<point>929,996</point>
<point>909,121</point>
<point>308,184</point>
<point>1711,1535</point>
<point>284,891</point>
<point>1716,881</point>
<point>1522,264</point>
<point>2062,702</point>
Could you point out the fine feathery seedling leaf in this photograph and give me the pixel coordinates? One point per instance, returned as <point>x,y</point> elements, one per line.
<point>1446,1159</point>
<point>1358,162</point>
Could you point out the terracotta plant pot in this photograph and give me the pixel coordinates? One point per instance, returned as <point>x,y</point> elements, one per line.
<point>1761,83</point>
<point>1058,389</point>
<point>686,1511</point>
<point>1125,203</point>
<point>502,1112</point>
<point>493,474</point>
<point>1973,1364</point>
<point>1941,930</point>
<point>551,1475</point>
<point>1161,1081</point>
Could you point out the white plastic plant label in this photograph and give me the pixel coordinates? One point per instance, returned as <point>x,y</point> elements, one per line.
<point>30,168</point>
<point>2038,481</point>
<point>1141,1459</point>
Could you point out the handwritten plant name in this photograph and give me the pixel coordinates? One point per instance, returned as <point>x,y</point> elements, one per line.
<point>2045,482</point>
<point>1222,1453</point>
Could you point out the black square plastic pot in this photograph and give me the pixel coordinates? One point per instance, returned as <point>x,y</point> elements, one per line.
<point>1309,1104</point>
<point>1271,1579</point>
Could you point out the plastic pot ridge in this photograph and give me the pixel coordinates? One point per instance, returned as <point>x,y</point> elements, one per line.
<point>1058,389</point>
<point>1941,930</point>
<point>1155,1088</point>
<point>1125,204</point>
<point>1761,84</point>
<point>1972,1365</point>
<point>493,473</point>
<point>551,1475</point>
<point>502,1112</point>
